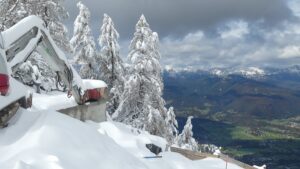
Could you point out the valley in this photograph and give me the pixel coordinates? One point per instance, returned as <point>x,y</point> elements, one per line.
<point>256,121</point>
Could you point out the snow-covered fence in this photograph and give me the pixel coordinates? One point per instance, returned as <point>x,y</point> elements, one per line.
<point>192,155</point>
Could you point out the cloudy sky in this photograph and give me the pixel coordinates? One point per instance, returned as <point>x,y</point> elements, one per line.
<point>207,33</point>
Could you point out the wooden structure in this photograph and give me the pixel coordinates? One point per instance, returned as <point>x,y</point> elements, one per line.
<point>192,155</point>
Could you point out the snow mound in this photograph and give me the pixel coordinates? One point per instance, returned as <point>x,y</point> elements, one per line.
<point>132,139</point>
<point>50,140</point>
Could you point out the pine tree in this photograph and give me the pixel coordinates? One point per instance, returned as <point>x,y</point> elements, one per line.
<point>51,11</point>
<point>11,12</point>
<point>83,42</point>
<point>172,126</point>
<point>185,139</point>
<point>35,72</point>
<point>111,65</point>
<point>141,103</point>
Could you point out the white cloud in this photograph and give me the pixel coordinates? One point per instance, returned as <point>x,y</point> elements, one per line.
<point>294,5</point>
<point>234,29</point>
<point>290,52</point>
<point>238,45</point>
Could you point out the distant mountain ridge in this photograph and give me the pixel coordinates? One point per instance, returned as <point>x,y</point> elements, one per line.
<point>247,72</point>
<point>253,113</point>
<point>251,90</point>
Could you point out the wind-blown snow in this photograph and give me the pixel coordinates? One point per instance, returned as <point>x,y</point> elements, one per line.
<point>50,140</point>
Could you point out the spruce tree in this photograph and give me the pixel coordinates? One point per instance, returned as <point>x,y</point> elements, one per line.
<point>83,42</point>
<point>141,103</point>
<point>172,126</point>
<point>51,11</point>
<point>186,139</point>
<point>111,68</point>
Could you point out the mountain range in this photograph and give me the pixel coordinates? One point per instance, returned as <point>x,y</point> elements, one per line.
<point>254,113</point>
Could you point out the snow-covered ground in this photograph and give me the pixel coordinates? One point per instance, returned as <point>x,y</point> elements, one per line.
<point>52,101</point>
<point>42,138</point>
<point>50,140</point>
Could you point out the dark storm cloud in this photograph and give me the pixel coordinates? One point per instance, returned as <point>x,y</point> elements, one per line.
<point>178,17</point>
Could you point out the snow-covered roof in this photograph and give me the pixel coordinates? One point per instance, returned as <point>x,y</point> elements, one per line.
<point>93,84</point>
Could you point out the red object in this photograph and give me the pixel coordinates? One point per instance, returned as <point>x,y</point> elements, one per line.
<point>93,94</point>
<point>4,84</point>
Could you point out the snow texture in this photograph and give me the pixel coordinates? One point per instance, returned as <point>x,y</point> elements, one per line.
<point>83,42</point>
<point>52,101</point>
<point>186,139</point>
<point>50,140</point>
<point>142,105</point>
<point>93,84</point>
<point>111,68</point>
<point>52,12</point>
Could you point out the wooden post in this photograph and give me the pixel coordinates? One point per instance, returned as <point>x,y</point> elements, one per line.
<point>226,161</point>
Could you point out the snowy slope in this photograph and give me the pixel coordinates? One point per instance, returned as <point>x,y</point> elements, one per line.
<point>50,140</point>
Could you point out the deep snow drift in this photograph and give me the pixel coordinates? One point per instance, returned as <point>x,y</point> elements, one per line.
<point>50,140</point>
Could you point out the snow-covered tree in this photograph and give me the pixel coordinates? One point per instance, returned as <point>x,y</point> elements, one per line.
<point>35,72</point>
<point>83,42</point>
<point>11,12</point>
<point>185,139</point>
<point>142,104</point>
<point>48,76</point>
<point>172,126</point>
<point>51,11</point>
<point>111,65</point>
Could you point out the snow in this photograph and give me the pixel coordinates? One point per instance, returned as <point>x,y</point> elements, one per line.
<point>93,84</point>
<point>52,101</point>
<point>252,71</point>
<point>262,167</point>
<point>50,140</point>
<point>169,68</point>
<point>217,152</point>
<point>218,72</point>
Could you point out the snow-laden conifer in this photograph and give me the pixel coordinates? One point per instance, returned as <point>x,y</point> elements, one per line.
<point>186,139</point>
<point>35,72</point>
<point>83,42</point>
<point>172,126</point>
<point>111,68</point>
<point>141,103</point>
<point>51,11</point>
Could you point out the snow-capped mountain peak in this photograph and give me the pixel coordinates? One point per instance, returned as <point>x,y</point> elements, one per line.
<point>252,72</point>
